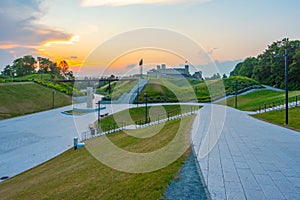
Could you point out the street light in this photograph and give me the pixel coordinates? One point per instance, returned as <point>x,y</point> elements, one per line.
<point>53,93</point>
<point>98,112</point>
<point>146,107</point>
<point>286,55</point>
<point>236,92</point>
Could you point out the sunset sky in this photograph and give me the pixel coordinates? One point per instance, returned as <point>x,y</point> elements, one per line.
<point>227,30</point>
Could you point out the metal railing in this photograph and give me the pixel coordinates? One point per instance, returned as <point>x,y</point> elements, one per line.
<point>278,105</point>
<point>119,126</point>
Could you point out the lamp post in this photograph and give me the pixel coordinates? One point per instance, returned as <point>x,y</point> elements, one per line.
<point>286,56</point>
<point>236,92</point>
<point>137,94</point>
<point>146,107</point>
<point>98,112</point>
<point>53,93</point>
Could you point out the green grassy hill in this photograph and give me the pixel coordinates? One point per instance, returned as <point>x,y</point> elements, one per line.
<point>173,89</point>
<point>251,101</point>
<point>78,175</point>
<point>24,98</point>
<point>44,77</point>
<point>117,88</point>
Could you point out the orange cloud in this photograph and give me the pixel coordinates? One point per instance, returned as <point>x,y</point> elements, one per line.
<point>8,46</point>
<point>72,40</point>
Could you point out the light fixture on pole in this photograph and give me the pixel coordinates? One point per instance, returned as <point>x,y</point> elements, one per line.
<point>146,107</point>
<point>286,55</point>
<point>98,112</point>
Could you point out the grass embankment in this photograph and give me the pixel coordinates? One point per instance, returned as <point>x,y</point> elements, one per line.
<point>24,98</point>
<point>135,115</point>
<point>251,101</point>
<point>183,90</point>
<point>117,89</point>
<point>278,117</point>
<point>78,175</point>
<point>31,77</point>
<point>47,81</point>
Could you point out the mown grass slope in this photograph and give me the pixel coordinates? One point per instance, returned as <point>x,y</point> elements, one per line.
<point>134,115</point>
<point>78,175</point>
<point>24,98</point>
<point>252,101</point>
<point>184,90</point>
<point>278,117</point>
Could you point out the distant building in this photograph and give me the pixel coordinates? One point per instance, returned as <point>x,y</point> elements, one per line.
<point>198,75</point>
<point>163,72</point>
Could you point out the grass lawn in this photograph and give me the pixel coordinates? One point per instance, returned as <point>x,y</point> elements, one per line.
<point>136,114</point>
<point>78,175</point>
<point>278,117</point>
<point>184,90</point>
<point>44,77</point>
<point>253,100</point>
<point>24,98</point>
<point>117,88</point>
<point>122,87</point>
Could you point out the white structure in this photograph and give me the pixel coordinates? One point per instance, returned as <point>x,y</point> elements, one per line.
<point>90,95</point>
<point>162,71</point>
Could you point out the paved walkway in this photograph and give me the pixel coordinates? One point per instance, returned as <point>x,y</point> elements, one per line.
<point>30,140</point>
<point>249,158</point>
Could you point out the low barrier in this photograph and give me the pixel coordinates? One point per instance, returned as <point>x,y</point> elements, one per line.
<point>92,133</point>
<point>279,105</point>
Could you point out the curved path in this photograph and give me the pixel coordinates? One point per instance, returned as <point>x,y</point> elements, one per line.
<point>249,158</point>
<point>30,140</point>
<point>240,157</point>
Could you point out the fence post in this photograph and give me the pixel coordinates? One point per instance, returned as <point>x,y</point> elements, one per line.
<point>296,100</point>
<point>265,107</point>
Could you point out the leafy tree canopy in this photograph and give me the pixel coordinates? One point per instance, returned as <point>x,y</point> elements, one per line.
<point>28,65</point>
<point>268,68</point>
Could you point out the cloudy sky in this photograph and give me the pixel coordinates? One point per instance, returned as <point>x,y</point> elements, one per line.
<point>227,30</point>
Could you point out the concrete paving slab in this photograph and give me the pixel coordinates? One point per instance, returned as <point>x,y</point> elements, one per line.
<point>241,157</point>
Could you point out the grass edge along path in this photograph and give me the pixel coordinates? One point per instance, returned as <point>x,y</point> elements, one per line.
<point>278,118</point>
<point>135,114</point>
<point>252,101</point>
<point>78,175</point>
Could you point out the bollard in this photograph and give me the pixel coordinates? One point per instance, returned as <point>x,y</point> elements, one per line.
<point>75,143</point>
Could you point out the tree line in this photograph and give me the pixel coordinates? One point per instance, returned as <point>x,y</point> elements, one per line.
<point>268,68</point>
<point>28,65</point>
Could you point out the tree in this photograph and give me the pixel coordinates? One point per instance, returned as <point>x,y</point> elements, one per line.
<point>269,69</point>
<point>44,64</point>
<point>237,69</point>
<point>8,71</point>
<point>24,66</point>
<point>64,69</point>
<point>54,69</point>
<point>247,67</point>
<point>294,72</point>
<point>28,64</point>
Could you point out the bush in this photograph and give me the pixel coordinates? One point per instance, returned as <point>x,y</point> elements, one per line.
<point>66,88</point>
